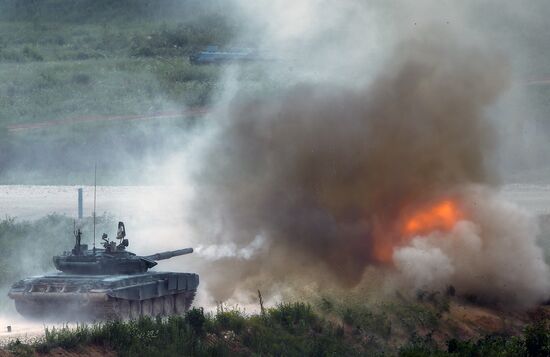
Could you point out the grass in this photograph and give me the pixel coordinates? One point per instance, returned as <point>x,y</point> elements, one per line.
<point>36,92</point>
<point>41,91</point>
<point>288,329</point>
<point>56,61</point>
<point>535,342</point>
<point>62,59</point>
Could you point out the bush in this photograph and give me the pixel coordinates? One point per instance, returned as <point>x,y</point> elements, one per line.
<point>81,79</point>
<point>196,320</point>
<point>230,321</point>
<point>292,315</point>
<point>537,339</point>
<point>32,54</point>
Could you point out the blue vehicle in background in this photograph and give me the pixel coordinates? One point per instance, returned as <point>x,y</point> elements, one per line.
<point>213,55</point>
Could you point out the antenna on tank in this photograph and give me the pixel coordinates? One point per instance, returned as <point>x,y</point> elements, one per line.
<point>95,189</point>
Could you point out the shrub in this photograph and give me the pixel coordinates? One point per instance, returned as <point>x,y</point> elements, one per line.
<point>32,54</point>
<point>537,339</point>
<point>81,78</point>
<point>292,315</point>
<point>230,320</point>
<point>196,320</point>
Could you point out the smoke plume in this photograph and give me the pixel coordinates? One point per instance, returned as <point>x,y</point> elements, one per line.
<point>374,120</point>
<point>308,185</point>
<point>493,255</point>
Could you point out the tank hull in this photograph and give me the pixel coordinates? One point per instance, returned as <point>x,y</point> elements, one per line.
<point>76,297</point>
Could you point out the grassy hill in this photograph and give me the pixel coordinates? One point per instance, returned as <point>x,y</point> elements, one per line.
<point>71,58</point>
<point>63,60</point>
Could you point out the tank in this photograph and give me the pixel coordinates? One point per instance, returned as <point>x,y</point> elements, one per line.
<point>105,283</point>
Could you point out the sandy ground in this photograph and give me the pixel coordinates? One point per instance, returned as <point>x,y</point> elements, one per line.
<point>23,330</point>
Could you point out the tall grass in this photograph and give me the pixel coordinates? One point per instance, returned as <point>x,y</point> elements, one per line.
<point>289,329</point>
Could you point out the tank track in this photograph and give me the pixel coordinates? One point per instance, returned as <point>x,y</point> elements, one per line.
<point>111,309</point>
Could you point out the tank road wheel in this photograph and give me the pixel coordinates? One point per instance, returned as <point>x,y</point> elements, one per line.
<point>122,309</point>
<point>180,304</point>
<point>168,305</point>
<point>158,306</point>
<point>135,309</point>
<point>147,308</point>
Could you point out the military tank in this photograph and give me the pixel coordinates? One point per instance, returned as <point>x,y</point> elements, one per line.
<point>105,283</point>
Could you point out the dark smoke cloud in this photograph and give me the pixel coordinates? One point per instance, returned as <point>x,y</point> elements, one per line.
<point>320,172</point>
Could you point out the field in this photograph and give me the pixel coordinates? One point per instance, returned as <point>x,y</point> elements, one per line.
<point>108,83</point>
<point>65,61</point>
<point>104,58</point>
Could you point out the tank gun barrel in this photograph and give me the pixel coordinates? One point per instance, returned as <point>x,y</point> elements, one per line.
<point>169,254</point>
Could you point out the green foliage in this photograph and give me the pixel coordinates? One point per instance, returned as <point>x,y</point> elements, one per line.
<point>21,349</point>
<point>232,320</point>
<point>421,346</point>
<point>82,58</point>
<point>292,315</point>
<point>183,39</point>
<point>534,342</point>
<point>196,320</point>
<point>491,345</point>
<point>289,329</point>
<point>63,61</point>
<point>537,339</point>
<point>367,319</point>
<point>414,315</point>
<point>227,333</point>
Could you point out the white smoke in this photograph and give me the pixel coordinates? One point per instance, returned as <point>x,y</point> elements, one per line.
<point>492,255</point>
<point>347,99</point>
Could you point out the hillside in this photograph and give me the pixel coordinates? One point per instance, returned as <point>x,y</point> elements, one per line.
<point>64,61</point>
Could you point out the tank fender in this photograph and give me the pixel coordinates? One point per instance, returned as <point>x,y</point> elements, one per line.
<point>168,284</point>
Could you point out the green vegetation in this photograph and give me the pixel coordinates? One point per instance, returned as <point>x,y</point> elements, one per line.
<point>62,61</point>
<point>535,342</point>
<point>289,329</point>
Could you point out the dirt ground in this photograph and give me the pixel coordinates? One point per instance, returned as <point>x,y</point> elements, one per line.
<point>90,351</point>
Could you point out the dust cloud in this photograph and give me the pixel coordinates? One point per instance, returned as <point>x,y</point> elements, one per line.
<point>305,188</point>
<point>309,184</point>
<point>492,256</point>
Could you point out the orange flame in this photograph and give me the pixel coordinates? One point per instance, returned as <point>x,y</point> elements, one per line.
<point>440,217</point>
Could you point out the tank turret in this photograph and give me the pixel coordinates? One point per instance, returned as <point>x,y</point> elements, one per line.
<point>112,259</point>
<point>108,282</point>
